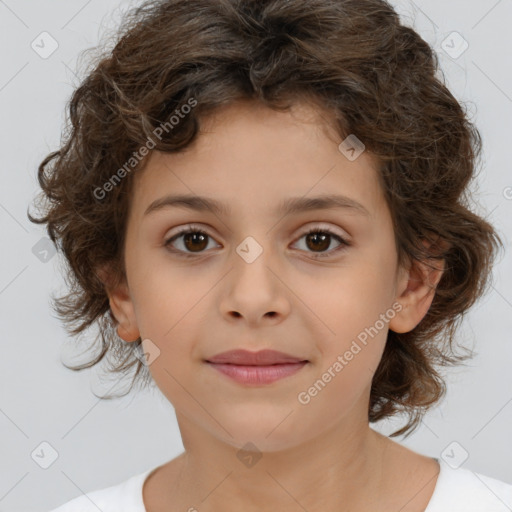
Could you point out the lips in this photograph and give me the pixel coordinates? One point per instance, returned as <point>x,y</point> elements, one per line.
<point>261,358</point>
<point>256,368</point>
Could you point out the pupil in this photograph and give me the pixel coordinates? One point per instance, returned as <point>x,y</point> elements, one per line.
<point>193,237</point>
<point>324,240</point>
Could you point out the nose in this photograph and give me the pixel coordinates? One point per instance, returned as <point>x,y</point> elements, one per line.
<point>254,292</point>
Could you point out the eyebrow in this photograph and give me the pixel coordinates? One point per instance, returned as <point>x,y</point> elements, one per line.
<point>288,206</point>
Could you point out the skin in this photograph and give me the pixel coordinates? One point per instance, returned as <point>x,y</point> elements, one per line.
<point>322,455</point>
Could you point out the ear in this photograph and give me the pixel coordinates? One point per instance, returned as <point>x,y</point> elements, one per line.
<point>417,287</point>
<point>121,304</point>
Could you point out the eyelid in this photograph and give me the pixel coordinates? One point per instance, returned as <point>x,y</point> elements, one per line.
<point>322,226</point>
<point>186,228</point>
<point>344,242</point>
<point>189,227</point>
<point>318,225</point>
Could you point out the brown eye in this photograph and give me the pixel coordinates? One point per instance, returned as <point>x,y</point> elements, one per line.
<point>192,241</point>
<point>318,241</point>
<point>195,241</point>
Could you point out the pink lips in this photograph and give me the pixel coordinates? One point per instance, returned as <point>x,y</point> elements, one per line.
<point>261,367</point>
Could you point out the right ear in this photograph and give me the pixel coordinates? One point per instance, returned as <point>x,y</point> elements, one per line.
<point>121,304</point>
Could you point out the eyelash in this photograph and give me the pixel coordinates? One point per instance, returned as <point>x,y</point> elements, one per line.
<point>193,229</point>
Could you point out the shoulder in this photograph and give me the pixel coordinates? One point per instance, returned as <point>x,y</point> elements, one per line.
<point>126,496</point>
<point>463,490</point>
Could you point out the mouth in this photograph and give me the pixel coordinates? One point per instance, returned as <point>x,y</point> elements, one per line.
<point>256,368</point>
<point>247,358</point>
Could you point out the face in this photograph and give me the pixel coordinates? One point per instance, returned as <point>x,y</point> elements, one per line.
<point>255,279</point>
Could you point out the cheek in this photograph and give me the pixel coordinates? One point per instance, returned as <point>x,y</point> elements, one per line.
<point>356,308</point>
<point>329,400</point>
<point>170,313</point>
<point>165,298</point>
<point>348,359</point>
<point>352,298</point>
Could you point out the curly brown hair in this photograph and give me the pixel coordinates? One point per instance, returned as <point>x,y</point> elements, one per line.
<point>355,59</point>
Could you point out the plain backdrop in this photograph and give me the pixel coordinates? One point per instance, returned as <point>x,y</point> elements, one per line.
<point>46,408</point>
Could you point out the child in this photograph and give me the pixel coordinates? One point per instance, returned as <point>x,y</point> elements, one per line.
<point>322,168</point>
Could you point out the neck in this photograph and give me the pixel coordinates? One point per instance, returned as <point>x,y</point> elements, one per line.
<point>341,469</point>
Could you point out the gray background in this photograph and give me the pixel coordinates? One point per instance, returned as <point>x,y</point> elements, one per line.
<point>100,443</point>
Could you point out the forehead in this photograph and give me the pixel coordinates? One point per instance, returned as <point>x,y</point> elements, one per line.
<point>250,157</point>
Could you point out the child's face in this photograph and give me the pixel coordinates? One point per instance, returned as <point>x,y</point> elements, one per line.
<point>251,159</point>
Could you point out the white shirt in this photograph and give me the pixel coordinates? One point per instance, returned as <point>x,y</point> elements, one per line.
<point>456,490</point>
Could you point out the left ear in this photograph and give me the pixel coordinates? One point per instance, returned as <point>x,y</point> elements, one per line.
<point>417,287</point>
<point>121,305</point>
